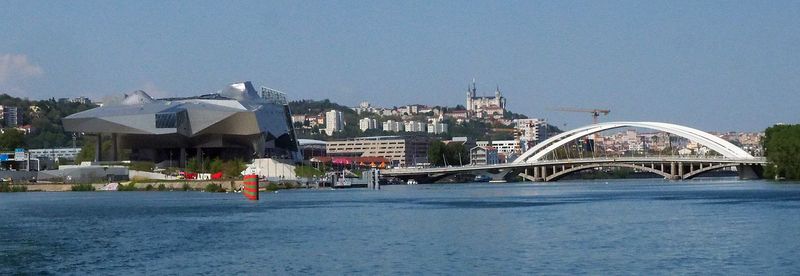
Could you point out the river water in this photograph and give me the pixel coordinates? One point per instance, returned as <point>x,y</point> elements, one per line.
<point>616,227</point>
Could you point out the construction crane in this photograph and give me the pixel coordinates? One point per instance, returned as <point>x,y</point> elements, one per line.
<point>595,118</point>
<point>595,112</point>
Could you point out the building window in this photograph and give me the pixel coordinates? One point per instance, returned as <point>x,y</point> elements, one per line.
<point>166,120</point>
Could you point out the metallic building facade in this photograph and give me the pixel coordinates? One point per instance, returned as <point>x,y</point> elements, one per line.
<point>236,122</point>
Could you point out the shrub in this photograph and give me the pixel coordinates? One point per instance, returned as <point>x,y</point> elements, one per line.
<point>186,187</point>
<point>6,187</point>
<point>127,188</point>
<point>82,188</point>
<point>214,188</point>
<point>161,188</point>
<point>272,186</point>
<point>149,187</point>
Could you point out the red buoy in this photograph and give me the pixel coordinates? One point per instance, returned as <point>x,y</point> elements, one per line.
<point>250,189</point>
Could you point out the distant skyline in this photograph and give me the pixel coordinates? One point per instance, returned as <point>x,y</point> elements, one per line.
<point>714,65</point>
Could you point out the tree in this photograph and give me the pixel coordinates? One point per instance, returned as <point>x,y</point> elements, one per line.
<point>440,154</point>
<point>436,153</point>
<point>782,149</point>
<point>11,139</point>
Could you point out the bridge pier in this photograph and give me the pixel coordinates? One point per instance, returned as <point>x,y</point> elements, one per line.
<point>747,172</point>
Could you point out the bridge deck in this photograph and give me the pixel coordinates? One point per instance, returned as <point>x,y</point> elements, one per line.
<point>653,159</point>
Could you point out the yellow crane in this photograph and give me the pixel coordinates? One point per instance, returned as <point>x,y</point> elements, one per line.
<point>595,112</point>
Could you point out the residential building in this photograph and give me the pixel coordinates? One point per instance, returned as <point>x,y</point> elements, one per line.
<point>437,127</point>
<point>506,147</point>
<point>367,123</point>
<point>483,155</point>
<point>531,131</point>
<point>414,126</point>
<point>298,118</point>
<point>401,151</point>
<point>12,116</point>
<point>394,126</point>
<point>334,122</point>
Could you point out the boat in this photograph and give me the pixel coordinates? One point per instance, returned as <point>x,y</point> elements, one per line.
<point>482,178</point>
<point>411,182</point>
<point>342,182</point>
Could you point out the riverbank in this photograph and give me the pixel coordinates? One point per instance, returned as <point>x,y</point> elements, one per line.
<point>168,185</point>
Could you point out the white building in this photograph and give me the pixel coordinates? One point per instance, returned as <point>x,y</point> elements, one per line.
<point>55,154</point>
<point>334,122</point>
<point>531,131</point>
<point>367,123</point>
<point>479,105</point>
<point>392,125</point>
<point>482,155</point>
<point>414,126</point>
<point>437,127</point>
<point>506,147</point>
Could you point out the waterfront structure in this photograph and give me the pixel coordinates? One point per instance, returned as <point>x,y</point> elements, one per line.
<point>236,122</point>
<point>334,122</point>
<point>367,124</point>
<point>393,126</point>
<point>400,150</point>
<point>415,126</point>
<point>489,106</point>
<point>483,155</point>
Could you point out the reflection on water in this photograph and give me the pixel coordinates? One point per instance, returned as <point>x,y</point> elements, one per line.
<point>603,227</point>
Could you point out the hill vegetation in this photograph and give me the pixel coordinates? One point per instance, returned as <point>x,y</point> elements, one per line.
<point>44,116</point>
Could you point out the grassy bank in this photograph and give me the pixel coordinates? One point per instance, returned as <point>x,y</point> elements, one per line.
<point>6,187</point>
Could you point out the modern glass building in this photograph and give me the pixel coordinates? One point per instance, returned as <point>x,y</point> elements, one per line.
<point>236,122</point>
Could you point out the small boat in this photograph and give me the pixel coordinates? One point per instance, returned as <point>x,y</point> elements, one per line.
<point>411,182</point>
<point>342,182</point>
<point>482,178</point>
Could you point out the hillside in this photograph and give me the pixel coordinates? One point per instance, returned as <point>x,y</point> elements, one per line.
<point>44,117</point>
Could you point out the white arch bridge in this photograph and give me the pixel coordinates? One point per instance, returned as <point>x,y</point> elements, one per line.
<point>533,166</point>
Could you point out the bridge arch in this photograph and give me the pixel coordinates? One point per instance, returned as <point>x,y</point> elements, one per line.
<point>695,173</point>
<point>715,143</point>
<point>566,172</point>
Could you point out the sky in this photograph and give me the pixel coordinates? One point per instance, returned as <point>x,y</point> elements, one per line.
<point>714,65</point>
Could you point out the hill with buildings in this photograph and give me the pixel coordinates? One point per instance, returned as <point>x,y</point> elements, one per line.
<point>38,122</point>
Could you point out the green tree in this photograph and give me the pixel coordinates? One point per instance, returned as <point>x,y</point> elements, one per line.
<point>436,153</point>
<point>782,149</point>
<point>11,139</point>
<point>454,154</point>
<point>215,165</point>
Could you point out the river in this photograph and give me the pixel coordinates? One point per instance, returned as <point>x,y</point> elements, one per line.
<point>642,226</point>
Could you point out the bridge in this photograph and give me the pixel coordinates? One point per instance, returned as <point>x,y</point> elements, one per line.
<point>534,164</point>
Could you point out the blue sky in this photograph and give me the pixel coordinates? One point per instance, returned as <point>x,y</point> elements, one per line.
<point>715,65</point>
